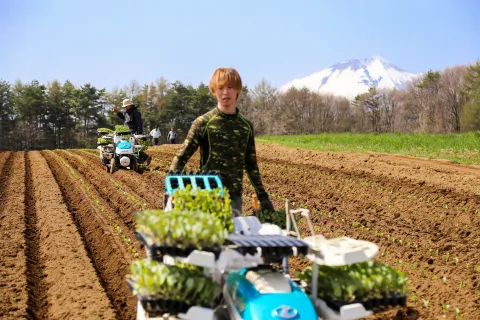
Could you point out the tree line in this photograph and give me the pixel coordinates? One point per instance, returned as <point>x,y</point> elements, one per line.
<point>61,115</point>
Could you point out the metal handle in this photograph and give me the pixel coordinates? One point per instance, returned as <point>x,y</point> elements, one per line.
<point>290,216</point>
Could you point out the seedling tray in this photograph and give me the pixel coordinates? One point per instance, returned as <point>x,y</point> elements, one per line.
<point>387,301</point>
<point>158,251</point>
<point>160,306</point>
<point>271,245</point>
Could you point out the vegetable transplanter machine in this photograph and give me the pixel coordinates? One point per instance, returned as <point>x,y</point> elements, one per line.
<point>192,275</point>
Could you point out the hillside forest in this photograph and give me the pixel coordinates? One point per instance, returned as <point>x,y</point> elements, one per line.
<point>35,116</point>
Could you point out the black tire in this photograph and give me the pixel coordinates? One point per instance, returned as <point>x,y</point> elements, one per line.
<point>112,166</point>
<point>135,165</point>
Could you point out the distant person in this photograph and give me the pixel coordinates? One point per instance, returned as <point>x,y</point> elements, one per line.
<point>155,133</point>
<point>133,120</point>
<point>172,136</point>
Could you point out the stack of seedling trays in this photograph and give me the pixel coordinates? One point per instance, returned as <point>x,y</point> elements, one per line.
<point>166,290</point>
<point>175,287</point>
<point>106,137</point>
<point>344,281</point>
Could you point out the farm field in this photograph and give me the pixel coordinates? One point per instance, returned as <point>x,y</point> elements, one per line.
<point>67,226</point>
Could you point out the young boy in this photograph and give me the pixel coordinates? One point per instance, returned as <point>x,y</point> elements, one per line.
<point>226,141</point>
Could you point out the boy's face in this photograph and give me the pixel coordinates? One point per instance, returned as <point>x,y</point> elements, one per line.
<point>226,95</point>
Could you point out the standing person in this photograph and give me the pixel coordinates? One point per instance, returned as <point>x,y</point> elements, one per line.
<point>133,120</point>
<point>172,136</point>
<point>155,133</point>
<point>226,140</point>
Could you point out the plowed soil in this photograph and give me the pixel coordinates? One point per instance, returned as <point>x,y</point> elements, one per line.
<point>67,226</point>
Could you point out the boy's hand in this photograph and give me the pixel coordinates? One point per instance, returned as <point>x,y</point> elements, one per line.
<point>265,203</point>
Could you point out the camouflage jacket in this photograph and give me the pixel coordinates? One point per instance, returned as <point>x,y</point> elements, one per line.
<point>227,145</point>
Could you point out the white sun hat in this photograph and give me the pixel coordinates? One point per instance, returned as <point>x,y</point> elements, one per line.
<point>127,102</point>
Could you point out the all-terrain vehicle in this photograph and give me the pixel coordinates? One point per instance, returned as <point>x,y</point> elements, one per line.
<point>252,287</point>
<point>120,149</point>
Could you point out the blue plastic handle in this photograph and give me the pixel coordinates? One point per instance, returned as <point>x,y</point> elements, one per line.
<point>204,182</point>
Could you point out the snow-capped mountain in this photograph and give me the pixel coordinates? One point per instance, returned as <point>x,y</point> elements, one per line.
<point>352,77</point>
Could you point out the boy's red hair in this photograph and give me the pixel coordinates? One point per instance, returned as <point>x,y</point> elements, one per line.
<point>225,76</point>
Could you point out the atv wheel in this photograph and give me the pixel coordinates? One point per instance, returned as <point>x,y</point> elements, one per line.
<point>112,166</point>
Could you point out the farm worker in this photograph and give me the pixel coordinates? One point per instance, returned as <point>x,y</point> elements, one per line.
<point>172,136</point>
<point>155,133</point>
<point>226,141</point>
<point>133,120</point>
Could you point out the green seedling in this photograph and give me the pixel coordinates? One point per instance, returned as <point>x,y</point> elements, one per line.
<point>425,303</point>
<point>458,314</point>
<point>365,280</point>
<point>179,282</point>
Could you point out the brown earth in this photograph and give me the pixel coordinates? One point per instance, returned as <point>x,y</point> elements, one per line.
<point>423,214</point>
<point>14,291</point>
<point>73,289</point>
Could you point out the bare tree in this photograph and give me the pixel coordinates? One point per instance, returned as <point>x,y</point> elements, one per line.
<point>264,98</point>
<point>133,89</point>
<point>389,101</point>
<point>451,85</point>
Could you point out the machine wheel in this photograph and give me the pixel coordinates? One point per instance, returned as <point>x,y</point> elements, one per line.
<point>112,166</point>
<point>135,165</point>
<point>221,313</point>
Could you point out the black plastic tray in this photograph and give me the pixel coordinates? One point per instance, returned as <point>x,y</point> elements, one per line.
<point>272,245</point>
<point>157,252</point>
<point>160,306</point>
<point>391,300</point>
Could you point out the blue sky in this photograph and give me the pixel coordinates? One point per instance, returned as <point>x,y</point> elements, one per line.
<point>110,42</point>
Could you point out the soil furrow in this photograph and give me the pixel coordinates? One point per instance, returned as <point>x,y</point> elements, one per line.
<point>37,290</point>
<point>13,280</point>
<point>69,278</point>
<point>3,158</point>
<point>104,245</point>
